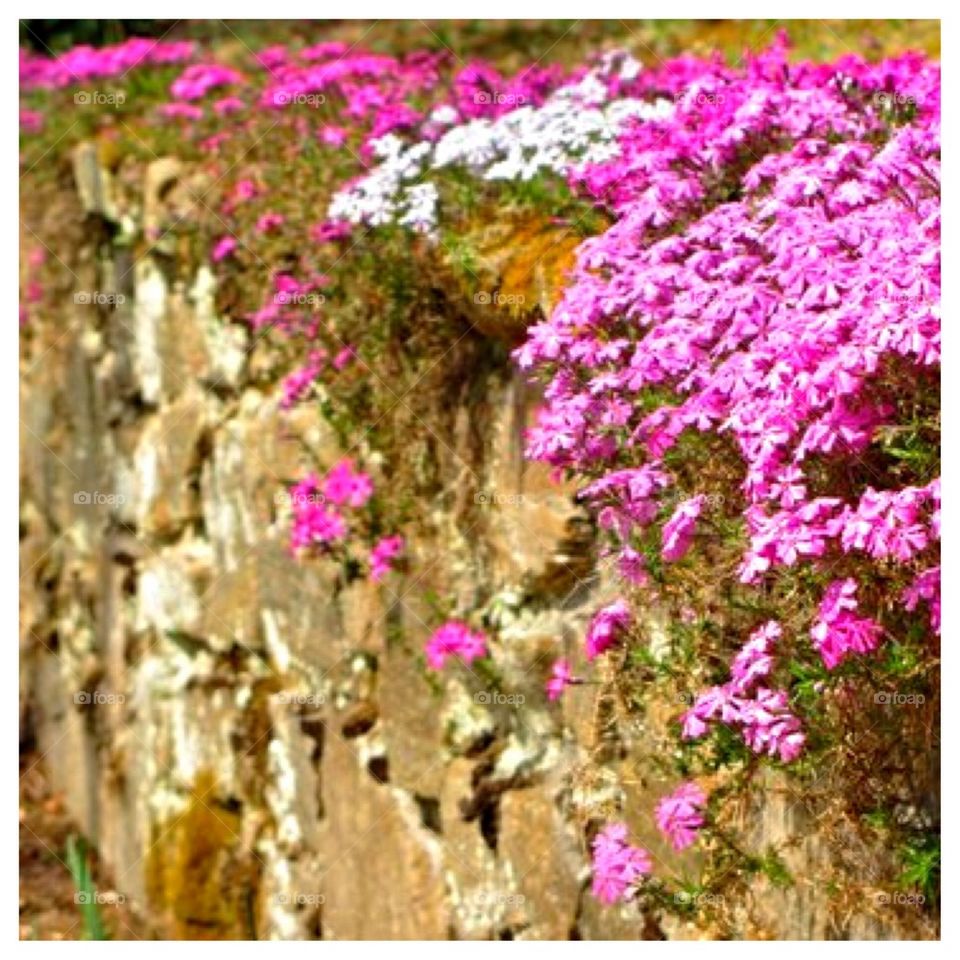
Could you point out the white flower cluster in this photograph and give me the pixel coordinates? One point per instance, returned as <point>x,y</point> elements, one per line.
<point>574,126</point>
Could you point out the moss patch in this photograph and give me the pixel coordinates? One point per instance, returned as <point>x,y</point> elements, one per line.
<point>198,878</point>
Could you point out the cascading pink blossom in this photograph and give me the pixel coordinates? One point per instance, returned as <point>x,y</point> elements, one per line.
<point>606,626</point>
<point>618,866</point>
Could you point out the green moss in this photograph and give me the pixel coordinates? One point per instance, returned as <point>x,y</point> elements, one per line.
<point>198,878</point>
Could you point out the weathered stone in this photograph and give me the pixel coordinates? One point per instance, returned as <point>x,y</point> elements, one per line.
<point>374,850</point>
<point>167,463</point>
<point>94,182</point>
<point>545,860</point>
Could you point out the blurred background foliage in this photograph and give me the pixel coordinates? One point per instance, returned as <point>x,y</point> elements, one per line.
<point>504,40</point>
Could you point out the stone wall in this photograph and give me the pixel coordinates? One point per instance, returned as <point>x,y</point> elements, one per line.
<point>252,743</point>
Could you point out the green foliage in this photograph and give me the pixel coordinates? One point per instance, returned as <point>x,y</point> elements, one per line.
<point>921,867</point>
<point>86,893</point>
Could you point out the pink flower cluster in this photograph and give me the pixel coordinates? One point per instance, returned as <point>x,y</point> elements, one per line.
<point>321,508</point>
<point>385,551</point>
<point>762,715</point>
<point>315,524</point>
<point>680,815</point>
<point>315,521</point>
<point>297,385</point>
<point>925,587</point>
<point>772,276</point>
<point>454,639</point>
<point>617,865</point>
<point>839,632</point>
<point>200,78</point>
<point>82,63</point>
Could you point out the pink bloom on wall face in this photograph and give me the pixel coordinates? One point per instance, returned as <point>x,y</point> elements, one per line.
<point>454,639</point>
<point>605,628</point>
<point>678,530</point>
<point>315,524</point>
<point>839,633</point>
<point>617,865</point>
<point>680,815</point>
<point>223,248</point>
<point>345,485</point>
<point>561,677</point>
<point>385,551</point>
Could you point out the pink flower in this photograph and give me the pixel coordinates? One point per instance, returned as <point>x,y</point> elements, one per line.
<point>838,633</point>
<point>314,523</point>
<point>343,357</point>
<point>680,815</point>
<point>297,384</point>
<point>344,485</point>
<point>383,553</point>
<point>200,78</point>
<point>755,658</point>
<point>454,639</point>
<point>268,222</point>
<point>606,627</point>
<point>228,105</point>
<point>224,247</point>
<point>617,865</point>
<point>333,136</point>
<point>561,678</point>
<point>678,530</point>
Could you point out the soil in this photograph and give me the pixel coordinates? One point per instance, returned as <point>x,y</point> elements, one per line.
<point>48,907</point>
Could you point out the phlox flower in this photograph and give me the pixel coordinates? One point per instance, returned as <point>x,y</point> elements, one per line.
<point>454,639</point>
<point>678,530</point>
<point>838,632</point>
<point>680,815</point>
<point>344,485</point>
<point>617,865</point>
<point>561,677</point>
<point>223,248</point>
<point>384,552</point>
<point>606,626</point>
